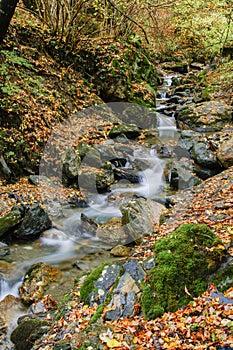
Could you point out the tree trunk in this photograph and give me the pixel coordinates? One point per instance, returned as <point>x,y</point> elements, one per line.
<point>7,9</point>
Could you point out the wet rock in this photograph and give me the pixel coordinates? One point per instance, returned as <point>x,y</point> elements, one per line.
<point>28,331</point>
<point>120,250</point>
<point>11,220</point>
<point>112,232</point>
<point>139,216</point>
<point>127,174</point>
<point>36,281</point>
<point>88,224</point>
<point>206,116</point>
<point>35,221</point>
<point>225,150</point>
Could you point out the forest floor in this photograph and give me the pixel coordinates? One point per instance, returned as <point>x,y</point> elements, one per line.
<point>44,93</point>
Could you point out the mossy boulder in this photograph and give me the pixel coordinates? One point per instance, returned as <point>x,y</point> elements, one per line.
<point>28,331</point>
<point>9,221</point>
<point>184,261</point>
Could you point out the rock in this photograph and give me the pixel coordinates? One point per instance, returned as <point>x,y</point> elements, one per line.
<point>131,131</point>
<point>127,174</point>
<point>92,157</point>
<point>98,284</point>
<point>4,169</point>
<point>204,156</point>
<point>135,270</point>
<point>225,150</point>
<point>206,116</point>
<point>4,249</point>
<point>184,261</point>
<point>96,180</point>
<point>181,175</point>
<point>120,250</point>
<point>8,307</point>
<point>117,283</point>
<point>28,331</point>
<point>35,221</point>
<point>36,281</point>
<point>123,299</point>
<point>11,220</point>
<point>104,177</point>
<point>38,179</point>
<point>88,224</point>
<point>112,232</point>
<point>176,67</point>
<point>116,77</point>
<point>139,216</point>
<point>71,163</point>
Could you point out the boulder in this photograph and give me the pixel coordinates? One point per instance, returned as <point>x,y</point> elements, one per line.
<point>96,180</point>
<point>11,220</point>
<point>98,284</point>
<point>225,150</point>
<point>35,221</point>
<point>36,281</point>
<point>28,331</point>
<point>131,131</point>
<point>112,232</point>
<point>71,163</point>
<point>207,116</point>
<point>185,262</point>
<point>181,174</point>
<point>115,286</point>
<point>139,216</point>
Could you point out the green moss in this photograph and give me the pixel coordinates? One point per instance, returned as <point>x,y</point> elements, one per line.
<point>183,263</point>
<point>88,284</point>
<point>97,314</point>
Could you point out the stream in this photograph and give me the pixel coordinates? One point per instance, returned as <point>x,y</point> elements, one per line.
<point>64,244</point>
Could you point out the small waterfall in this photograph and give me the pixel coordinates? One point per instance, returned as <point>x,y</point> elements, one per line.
<point>9,287</point>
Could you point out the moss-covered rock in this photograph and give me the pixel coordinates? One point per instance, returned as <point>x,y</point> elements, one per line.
<point>184,261</point>
<point>9,221</point>
<point>28,331</point>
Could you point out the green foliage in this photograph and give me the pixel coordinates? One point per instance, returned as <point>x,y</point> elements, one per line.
<point>183,260</point>
<point>203,27</point>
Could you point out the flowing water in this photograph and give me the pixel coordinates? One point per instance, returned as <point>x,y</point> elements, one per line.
<point>67,242</point>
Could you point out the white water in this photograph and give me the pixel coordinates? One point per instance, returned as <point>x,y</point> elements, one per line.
<point>58,245</point>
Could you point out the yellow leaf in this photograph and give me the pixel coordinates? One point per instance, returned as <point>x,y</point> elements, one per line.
<point>113,343</point>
